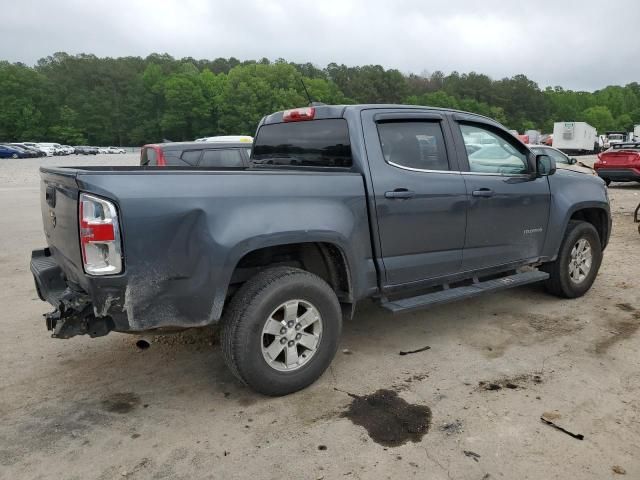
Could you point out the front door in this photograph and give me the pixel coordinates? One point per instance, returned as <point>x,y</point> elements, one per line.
<point>508,205</point>
<point>420,196</point>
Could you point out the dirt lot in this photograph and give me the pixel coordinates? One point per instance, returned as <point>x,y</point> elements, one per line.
<point>102,408</point>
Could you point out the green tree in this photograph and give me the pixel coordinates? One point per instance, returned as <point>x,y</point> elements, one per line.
<point>599,117</point>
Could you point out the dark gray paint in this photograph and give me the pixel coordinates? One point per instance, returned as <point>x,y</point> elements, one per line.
<point>184,231</point>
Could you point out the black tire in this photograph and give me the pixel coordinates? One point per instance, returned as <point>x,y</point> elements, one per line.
<point>560,282</point>
<point>607,181</point>
<point>246,315</point>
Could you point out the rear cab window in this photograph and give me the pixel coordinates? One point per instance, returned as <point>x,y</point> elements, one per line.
<point>311,143</point>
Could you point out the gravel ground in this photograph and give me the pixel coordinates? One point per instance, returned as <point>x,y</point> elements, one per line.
<point>102,408</point>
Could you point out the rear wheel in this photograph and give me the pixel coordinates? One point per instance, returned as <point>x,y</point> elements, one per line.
<point>607,181</point>
<point>578,262</point>
<point>281,330</point>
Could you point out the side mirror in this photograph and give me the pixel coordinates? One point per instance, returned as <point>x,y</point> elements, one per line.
<point>572,161</point>
<point>545,165</point>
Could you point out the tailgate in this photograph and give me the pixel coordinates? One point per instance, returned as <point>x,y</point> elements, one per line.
<point>59,206</point>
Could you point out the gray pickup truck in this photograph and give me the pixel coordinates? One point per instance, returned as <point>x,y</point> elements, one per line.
<point>410,206</point>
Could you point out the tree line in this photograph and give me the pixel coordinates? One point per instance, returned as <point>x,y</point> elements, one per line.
<point>84,99</point>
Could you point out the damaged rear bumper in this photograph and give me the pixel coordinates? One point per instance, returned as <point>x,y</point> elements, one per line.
<point>74,313</point>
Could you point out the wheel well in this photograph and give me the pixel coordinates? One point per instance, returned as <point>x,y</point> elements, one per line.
<point>596,217</point>
<point>323,259</point>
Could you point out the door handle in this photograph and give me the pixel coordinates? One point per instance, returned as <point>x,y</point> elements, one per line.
<point>483,192</point>
<point>399,193</point>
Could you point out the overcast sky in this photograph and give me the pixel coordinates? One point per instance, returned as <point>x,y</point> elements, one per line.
<point>583,45</point>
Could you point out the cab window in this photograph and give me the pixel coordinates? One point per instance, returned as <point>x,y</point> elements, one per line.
<point>191,156</point>
<point>221,158</point>
<point>417,145</point>
<point>492,153</point>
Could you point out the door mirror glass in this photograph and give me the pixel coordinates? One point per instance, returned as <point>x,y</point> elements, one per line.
<point>572,161</point>
<point>545,165</point>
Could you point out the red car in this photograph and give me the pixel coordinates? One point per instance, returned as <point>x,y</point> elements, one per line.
<point>621,163</point>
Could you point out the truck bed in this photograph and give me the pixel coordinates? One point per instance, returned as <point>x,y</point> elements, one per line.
<point>185,229</point>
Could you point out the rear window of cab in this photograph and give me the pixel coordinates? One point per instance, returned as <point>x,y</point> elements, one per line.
<point>312,143</point>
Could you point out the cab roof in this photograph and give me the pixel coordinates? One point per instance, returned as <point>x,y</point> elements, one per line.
<point>322,112</point>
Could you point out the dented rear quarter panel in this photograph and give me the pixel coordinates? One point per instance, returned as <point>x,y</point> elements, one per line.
<point>185,231</point>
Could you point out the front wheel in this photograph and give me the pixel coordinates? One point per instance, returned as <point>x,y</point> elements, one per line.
<point>578,262</point>
<point>281,330</point>
<point>14,155</point>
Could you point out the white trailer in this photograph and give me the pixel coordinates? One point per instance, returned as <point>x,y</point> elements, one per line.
<point>574,137</point>
<point>534,136</point>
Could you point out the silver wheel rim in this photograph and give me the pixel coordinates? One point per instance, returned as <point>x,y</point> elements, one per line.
<point>291,335</point>
<point>580,261</point>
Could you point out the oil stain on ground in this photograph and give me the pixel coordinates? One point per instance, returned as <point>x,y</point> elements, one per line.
<point>121,402</point>
<point>621,329</point>
<point>388,419</point>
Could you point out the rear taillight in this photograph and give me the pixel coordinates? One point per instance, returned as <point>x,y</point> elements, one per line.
<point>299,114</point>
<point>160,160</point>
<point>99,236</point>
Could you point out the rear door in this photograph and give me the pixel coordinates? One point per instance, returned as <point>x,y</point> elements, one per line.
<point>508,205</point>
<point>420,195</point>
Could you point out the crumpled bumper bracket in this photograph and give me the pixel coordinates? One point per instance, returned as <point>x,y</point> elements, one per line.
<point>74,316</point>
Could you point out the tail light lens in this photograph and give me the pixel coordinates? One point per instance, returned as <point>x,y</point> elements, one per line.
<point>299,114</point>
<point>99,236</point>
<point>160,157</point>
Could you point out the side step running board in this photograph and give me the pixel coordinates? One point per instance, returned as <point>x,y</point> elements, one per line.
<point>468,291</point>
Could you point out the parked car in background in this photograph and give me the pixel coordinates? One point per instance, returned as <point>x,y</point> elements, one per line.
<point>7,151</point>
<point>34,146</point>
<point>116,150</point>
<point>227,139</point>
<point>103,150</point>
<point>196,154</point>
<point>63,150</point>
<point>48,148</point>
<point>27,152</point>
<point>562,159</point>
<point>37,152</point>
<point>621,163</point>
<point>85,150</point>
